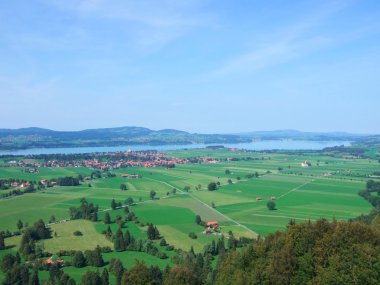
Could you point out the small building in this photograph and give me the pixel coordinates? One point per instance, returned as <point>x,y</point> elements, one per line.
<point>213,225</point>
<point>258,198</point>
<point>273,198</point>
<point>130,175</point>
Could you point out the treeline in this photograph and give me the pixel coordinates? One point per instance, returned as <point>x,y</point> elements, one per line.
<point>81,259</point>
<point>372,187</point>
<point>28,247</point>
<point>68,181</point>
<point>17,192</point>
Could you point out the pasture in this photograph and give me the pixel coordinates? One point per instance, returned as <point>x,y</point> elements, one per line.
<point>327,189</point>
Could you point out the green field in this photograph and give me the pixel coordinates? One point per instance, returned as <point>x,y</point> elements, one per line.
<point>329,189</point>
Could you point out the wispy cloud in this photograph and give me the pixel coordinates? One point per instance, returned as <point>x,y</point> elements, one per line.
<point>151,24</point>
<point>294,40</point>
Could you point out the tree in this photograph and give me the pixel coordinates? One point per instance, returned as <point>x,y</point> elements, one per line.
<point>52,219</point>
<point>123,187</point>
<point>152,194</point>
<point>91,278</point>
<point>19,225</point>
<point>227,172</point>
<point>79,260</point>
<point>34,280</point>
<point>150,232</point>
<point>2,242</point>
<point>117,269</point>
<point>129,201</point>
<point>186,188</point>
<point>192,235</point>
<point>163,242</point>
<point>212,204</point>
<point>137,274</point>
<point>94,257</point>
<point>8,262</point>
<point>181,274</point>
<point>229,181</point>
<point>212,186</point>
<point>105,277</point>
<point>107,218</point>
<point>119,241</point>
<point>113,204</point>
<point>198,220</point>
<point>271,205</point>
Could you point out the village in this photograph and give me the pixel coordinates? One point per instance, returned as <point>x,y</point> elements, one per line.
<point>105,161</point>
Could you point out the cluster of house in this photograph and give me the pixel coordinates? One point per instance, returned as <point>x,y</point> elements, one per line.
<point>212,228</point>
<point>27,184</point>
<point>49,262</point>
<point>115,160</point>
<point>20,184</point>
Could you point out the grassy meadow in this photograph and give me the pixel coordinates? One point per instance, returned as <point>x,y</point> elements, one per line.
<point>328,188</point>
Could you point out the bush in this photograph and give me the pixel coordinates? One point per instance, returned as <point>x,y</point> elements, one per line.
<point>170,248</point>
<point>78,233</point>
<point>161,255</point>
<point>163,242</point>
<point>192,235</point>
<point>212,186</point>
<point>271,205</point>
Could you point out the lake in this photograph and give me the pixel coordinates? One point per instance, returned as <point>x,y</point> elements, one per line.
<point>255,145</point>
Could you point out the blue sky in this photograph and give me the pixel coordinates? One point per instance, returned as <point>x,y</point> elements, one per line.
<point>200,66</point>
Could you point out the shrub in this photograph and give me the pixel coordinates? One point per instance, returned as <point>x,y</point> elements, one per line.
<point>78,233</point>
<point>192,235</point>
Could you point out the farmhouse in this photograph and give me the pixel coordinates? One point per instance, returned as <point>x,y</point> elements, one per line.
<point>125,175</point>
<point>305,164</point>
<point>258,198</point>
<point>58,262</point>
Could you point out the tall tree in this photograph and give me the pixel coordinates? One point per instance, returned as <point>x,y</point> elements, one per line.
<point>107,218</point>
<point>105,277</point>
<point>152,194</point>
<point>79,259</point>
<point>2,242</point>
<point>113,204</point>
<point>119,244</point>
<point>34,280</point>
<point>19,224</point>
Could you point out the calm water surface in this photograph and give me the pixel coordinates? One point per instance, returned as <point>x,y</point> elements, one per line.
<point>256,145</point>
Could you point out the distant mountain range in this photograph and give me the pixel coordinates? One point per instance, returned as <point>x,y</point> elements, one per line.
<point>38,137</point>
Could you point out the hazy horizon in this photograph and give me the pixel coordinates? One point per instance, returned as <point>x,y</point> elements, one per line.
<point>198,66</point>
<point>230,133</point>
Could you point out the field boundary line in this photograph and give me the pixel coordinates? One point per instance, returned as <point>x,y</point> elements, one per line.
<point>294,189</point>
<point>209,207</point>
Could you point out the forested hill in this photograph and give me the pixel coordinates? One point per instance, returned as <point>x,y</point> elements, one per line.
<point>38,137</point>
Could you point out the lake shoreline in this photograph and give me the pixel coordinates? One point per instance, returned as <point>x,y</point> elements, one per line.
<point>259,145</point>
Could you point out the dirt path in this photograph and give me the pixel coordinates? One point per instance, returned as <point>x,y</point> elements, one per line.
<point>208,206</point>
